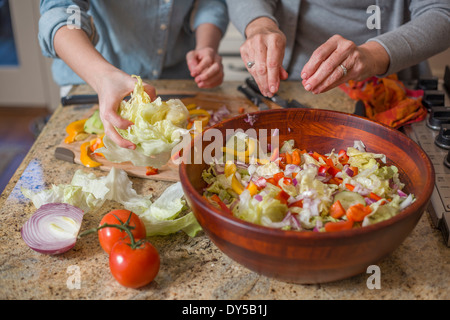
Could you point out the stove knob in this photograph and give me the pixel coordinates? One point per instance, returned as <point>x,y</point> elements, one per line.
<point>447,160</point>
<point>433,98</point>
<point>443,139</point>
<point>438,116</point>
<point>430,83</point>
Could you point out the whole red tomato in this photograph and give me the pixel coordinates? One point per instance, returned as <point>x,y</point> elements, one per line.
<point>134,267</point>
<point>110,235</point>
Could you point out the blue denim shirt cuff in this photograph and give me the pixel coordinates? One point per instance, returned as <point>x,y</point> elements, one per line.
<point>212,12</point>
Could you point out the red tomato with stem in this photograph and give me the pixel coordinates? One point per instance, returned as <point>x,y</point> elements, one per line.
<point>134,267</point>
<point>108,236</point>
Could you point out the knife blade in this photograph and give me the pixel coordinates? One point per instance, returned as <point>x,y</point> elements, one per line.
<point>89,99</point>
<point>276,98</point>
<point>255,98</point>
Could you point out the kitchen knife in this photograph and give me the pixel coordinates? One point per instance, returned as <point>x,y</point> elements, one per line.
<point>276,98</point>
<point>255,98</point>
<point>89,99</point>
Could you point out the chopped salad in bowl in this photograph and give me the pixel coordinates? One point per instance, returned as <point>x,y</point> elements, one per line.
<point>304,190</point>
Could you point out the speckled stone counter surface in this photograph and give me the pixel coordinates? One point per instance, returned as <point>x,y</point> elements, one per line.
<point>191,268</point>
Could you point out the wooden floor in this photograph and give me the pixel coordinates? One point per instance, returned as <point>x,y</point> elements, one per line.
<point>19,126</point>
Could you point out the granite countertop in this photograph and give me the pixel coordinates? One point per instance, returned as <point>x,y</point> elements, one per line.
<point>191,268</point>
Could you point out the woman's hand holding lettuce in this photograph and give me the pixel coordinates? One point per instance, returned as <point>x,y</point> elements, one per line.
<point>158,126</point>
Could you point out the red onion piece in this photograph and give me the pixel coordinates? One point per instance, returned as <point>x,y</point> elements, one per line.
<point>260,182</point>
<point>53,228</point>
<point>349,172</point>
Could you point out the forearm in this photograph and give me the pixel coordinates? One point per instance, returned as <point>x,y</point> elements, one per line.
<point>76,50</point>
<point>208,35</point>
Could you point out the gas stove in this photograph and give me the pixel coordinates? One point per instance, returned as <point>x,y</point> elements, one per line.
<point>433,136</point>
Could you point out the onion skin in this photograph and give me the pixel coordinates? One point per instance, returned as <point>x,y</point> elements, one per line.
<point>40,239</point>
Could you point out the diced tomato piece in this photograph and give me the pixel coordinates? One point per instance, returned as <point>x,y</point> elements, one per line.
<point>151,171</point>
<point>342,156</point>
<point>278,176</point>
<point>298,203</point>
<point>333,171</point>
<point>323,169</point>
<point>283,197</point>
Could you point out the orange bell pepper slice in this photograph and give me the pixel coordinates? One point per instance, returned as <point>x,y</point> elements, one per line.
<point>221,204</point>
<point>358,212</point>
<point>339,226</point>
<point>296,157</point>
<point>337,210</point>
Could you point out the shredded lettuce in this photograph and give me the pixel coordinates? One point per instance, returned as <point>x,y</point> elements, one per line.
<point>300,196</point>
<point>261,212</point>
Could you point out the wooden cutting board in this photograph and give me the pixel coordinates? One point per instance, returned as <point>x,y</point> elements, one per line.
<point>71,152</point>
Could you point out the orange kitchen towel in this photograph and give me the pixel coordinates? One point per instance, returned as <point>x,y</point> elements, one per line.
<point>387,100</point>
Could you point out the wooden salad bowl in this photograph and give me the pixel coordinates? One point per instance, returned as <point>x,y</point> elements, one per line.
<point>313,257</point>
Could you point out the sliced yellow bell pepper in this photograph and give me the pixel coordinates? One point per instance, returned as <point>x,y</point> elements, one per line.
<point>230,169</point>
<point>85,159</point>
<point>242,154</point>
<point>252,188</point>
<point>236,185</point>
<point>202,115</point>
<point>191,106</point>
<point>73,129</point>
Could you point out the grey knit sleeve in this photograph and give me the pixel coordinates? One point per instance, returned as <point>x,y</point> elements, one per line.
<point>427,34</point>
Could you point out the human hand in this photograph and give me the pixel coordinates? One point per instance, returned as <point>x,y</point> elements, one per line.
<point>339,60</point>
<point>112,89</point>
<point>265,45</point>
<point>206,67</point>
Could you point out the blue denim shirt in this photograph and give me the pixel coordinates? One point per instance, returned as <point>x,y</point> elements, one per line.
<point>149,38</point>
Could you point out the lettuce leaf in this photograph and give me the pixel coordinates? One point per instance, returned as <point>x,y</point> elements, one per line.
<point>157,128</point>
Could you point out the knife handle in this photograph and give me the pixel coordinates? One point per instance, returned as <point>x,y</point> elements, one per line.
<point>79,99</point>
<point>253,85</point>
<point>275,98</point>
<point>250,94</point>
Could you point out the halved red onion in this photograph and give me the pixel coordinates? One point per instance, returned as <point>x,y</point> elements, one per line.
<point>53,228</point>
